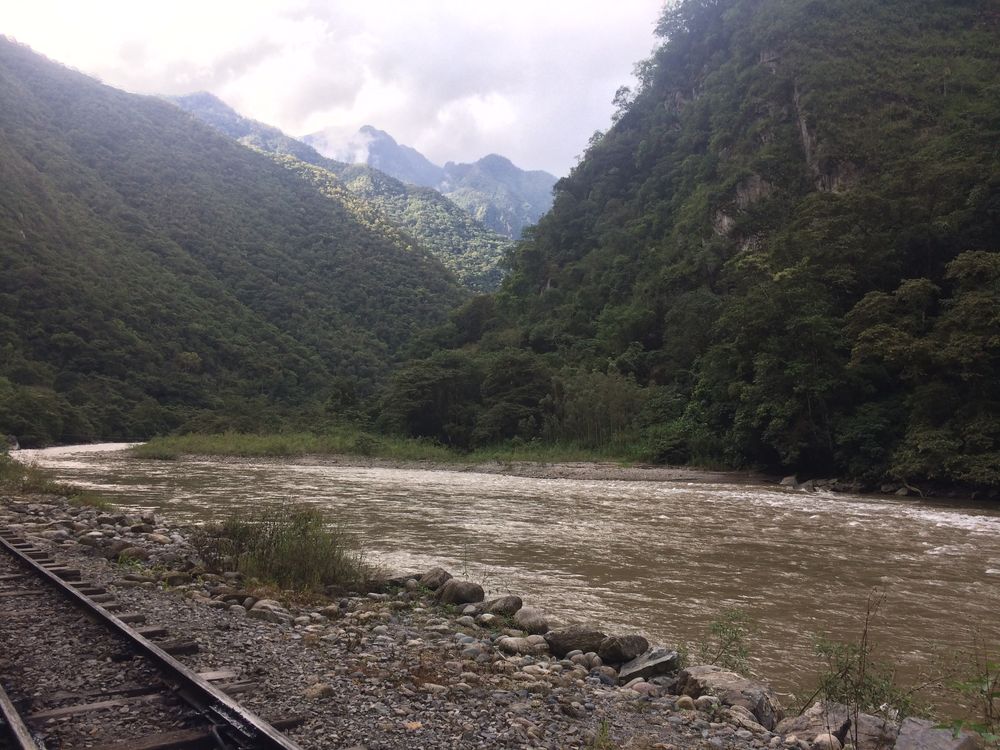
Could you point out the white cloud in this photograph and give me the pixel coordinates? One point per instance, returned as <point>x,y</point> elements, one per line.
<point>456,79</point>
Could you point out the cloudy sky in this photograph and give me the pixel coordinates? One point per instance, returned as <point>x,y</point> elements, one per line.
<point>456,79</point>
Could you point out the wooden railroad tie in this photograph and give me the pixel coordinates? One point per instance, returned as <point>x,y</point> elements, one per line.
<point>184,738</point>
<point>130,697</point>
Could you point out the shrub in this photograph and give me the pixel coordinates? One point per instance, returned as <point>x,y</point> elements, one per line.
<point>856,679</point>
<point>727,646</point>
<point>294,549</point>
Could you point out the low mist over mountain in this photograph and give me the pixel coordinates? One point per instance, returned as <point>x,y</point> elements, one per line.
<point>502,196</point>
<point>465,246</point>
<point>157,274</point>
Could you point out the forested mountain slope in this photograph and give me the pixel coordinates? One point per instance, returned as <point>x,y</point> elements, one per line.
<point>783,253</point>
<point>462,244</point>
<point>157,274</point>
<point>497,193</point>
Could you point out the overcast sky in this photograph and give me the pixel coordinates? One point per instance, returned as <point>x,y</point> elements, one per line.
<point>456,79</point>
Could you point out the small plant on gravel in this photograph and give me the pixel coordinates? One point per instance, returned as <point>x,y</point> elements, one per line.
<point>602,737</point>
<point>91,500</point>
<point>293,548</point>
<point>728,643</point>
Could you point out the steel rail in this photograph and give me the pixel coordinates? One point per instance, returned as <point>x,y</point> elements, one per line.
<point>14,724</point>
<point>244,725</point>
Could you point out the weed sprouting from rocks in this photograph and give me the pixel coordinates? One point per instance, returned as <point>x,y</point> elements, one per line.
<point>602,737</point>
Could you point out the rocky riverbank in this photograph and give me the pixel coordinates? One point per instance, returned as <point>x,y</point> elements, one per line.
<point>427,661</point>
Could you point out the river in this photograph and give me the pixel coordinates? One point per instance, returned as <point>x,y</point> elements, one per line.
<point>660,558</point>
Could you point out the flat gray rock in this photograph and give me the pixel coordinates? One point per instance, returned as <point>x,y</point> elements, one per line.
<point>657,662</point>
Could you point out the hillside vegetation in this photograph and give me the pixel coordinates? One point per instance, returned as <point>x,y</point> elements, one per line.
<point>158,275</point>
<point>783,253</point>
<point>464,245</point>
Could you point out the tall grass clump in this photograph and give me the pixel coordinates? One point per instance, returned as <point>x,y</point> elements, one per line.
<point>292,549</point>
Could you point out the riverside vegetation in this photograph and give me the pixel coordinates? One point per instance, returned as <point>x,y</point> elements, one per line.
<point>780,255</point>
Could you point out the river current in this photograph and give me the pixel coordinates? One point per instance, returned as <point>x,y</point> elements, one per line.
<point>660,558</point>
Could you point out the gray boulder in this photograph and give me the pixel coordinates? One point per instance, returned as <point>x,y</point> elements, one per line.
<point>826,741</point>
<point>533,645</point>
<point>531,620</point>
<point>574,638</point>
<point>434,578</point>
<point>824,717</point>
<point>657,662</point>
<point>733,690</point>
<point>455,591</point>
<point>505,606</point>
<point>618,649</point>
<point>920,734</point>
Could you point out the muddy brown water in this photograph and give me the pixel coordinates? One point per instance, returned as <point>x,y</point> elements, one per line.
<point>660,558</point>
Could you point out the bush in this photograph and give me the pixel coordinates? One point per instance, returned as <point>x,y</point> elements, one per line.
<point>293,549</point>
<point>854,678</point>
<point>727,646</point>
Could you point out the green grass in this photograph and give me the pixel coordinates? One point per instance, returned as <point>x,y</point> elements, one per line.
<point>89,499</point>
<point>292,548</point>
<point>357,443</point>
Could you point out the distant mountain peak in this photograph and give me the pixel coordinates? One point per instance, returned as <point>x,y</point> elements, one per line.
<point>464,245</point>
<point>371,130</point>
<point>492,189</point>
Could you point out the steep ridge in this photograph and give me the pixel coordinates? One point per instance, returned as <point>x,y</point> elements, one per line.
<point>157,274</point>
<point>783,253</point>
<point>463,245</point>
<point>497,193</point>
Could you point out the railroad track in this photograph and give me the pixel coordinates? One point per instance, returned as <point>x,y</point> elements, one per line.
<point>125,691</point>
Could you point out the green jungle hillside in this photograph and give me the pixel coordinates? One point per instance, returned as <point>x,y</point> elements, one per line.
<point>783,253</point>
<point>158,275</point>
<point>462,244</point>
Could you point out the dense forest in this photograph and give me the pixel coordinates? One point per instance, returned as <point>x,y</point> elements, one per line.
<point>783,253</point>
<point>462,244</point>
<point>157,275</point>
